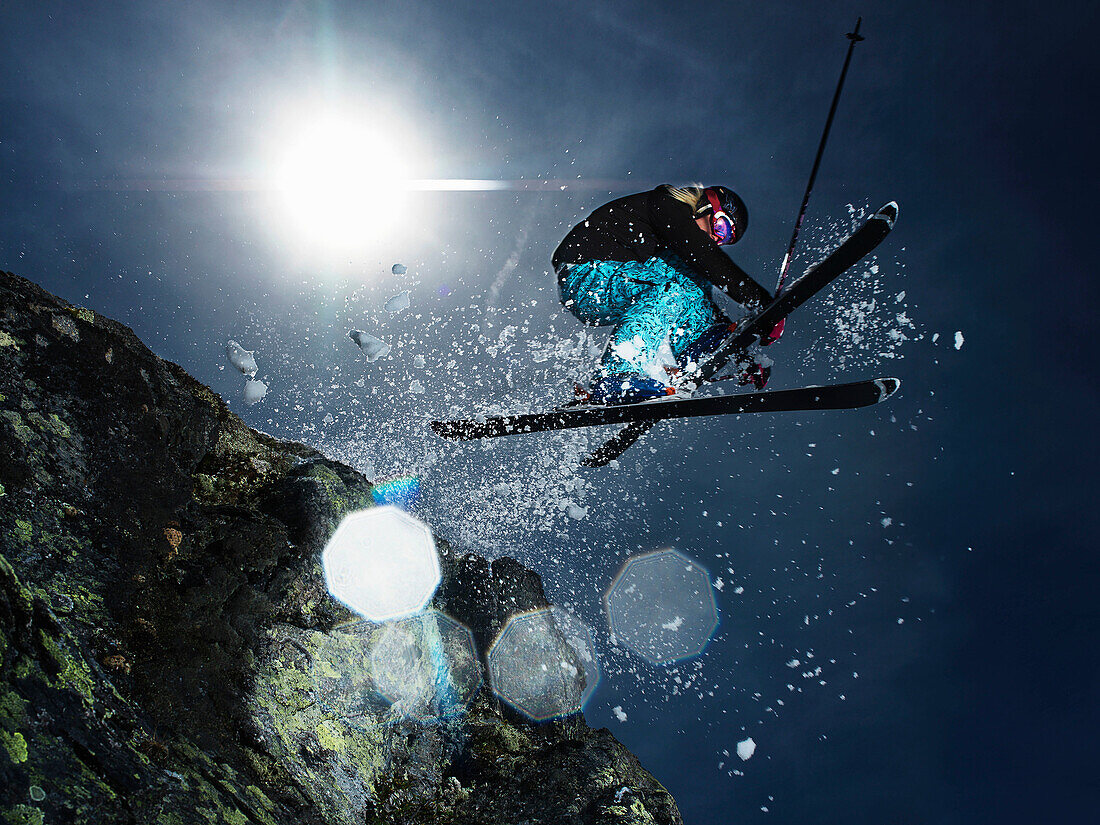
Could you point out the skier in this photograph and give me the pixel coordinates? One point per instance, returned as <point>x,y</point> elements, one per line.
<point>606,279</point>
<point>645,263</point>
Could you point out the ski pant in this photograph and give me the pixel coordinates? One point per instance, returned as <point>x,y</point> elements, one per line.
<point>649,302</point>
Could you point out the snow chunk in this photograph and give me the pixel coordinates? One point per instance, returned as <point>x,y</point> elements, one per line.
<point>575,511</point>
<point>675,624</point>
<point>254,391</point>
<point>746,748</point>
<point>373,348</point>
<point>416,388</point>
<point>398,303</point>
<point>959,340</point>
<point>653,364</point>
<point>620,714</point>
<point>399,269</point>
<point>629,350</point>
<point>241,358</point>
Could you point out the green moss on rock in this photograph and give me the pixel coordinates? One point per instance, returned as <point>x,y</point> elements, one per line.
<point>24,531</point>
<point>70,672</point>
<point>14,745</point>
<point>22,431</point>
<point>24,815</point>
<point>13,709</point>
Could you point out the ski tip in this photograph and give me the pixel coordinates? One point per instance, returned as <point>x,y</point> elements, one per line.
<point>445,428</point>
<point>887,387</point>
<point>888,213</point>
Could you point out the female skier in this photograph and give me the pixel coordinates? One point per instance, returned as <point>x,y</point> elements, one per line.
<point>645,263</point>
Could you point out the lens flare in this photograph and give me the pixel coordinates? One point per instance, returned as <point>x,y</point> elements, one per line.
<point>400,492</point>
<point>340,178</point>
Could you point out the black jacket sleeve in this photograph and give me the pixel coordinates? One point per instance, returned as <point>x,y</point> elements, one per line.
<point>674,224</point>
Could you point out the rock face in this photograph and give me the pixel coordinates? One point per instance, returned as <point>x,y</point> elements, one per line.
<point>164,626</point>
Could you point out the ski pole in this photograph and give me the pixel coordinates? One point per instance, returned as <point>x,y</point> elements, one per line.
<point>853,38</point>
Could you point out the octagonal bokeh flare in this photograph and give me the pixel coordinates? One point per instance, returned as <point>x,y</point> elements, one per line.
<point>543,663</point>
<point>382,563</point>
<point>661,606</point>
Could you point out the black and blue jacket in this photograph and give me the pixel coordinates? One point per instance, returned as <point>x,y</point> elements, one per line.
<point>642,226</point>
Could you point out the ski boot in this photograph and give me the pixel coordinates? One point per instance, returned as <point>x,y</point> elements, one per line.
<point>747,371</point>
<point>774,334</point>
<point>754,373</point>
<point>623,388</point>
<point>700,350</point>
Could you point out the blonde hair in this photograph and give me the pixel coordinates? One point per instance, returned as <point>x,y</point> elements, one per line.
<point>693,195</point>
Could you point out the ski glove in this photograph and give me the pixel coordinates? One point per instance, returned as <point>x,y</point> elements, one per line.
<point>774,334</point>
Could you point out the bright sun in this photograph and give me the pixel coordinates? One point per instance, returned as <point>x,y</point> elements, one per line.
<point>341,182</point>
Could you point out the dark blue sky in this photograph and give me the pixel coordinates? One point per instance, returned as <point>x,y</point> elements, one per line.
<point>130,150</point>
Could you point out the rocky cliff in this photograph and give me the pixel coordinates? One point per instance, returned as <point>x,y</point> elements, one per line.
<point>163,616</point>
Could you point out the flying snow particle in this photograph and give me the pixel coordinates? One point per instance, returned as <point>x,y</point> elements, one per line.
<point>746,748</point>
<point>958,340</point>
<point>254,391</point>
<point>398,303</point>
<point>419,361</point>
<point>416,388</point>
<point>629,350</point>
<point>620,714</point>
<point>399,269</point>
<point>675,624</point>
<point>373,348</point>
<point>886,522</point>
<point>241,358</point>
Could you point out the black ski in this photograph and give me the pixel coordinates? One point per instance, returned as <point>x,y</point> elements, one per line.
<point>830,397</point>
<point>857,246</point>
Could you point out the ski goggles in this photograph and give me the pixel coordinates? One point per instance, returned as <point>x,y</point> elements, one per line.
<point>721,226</point>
